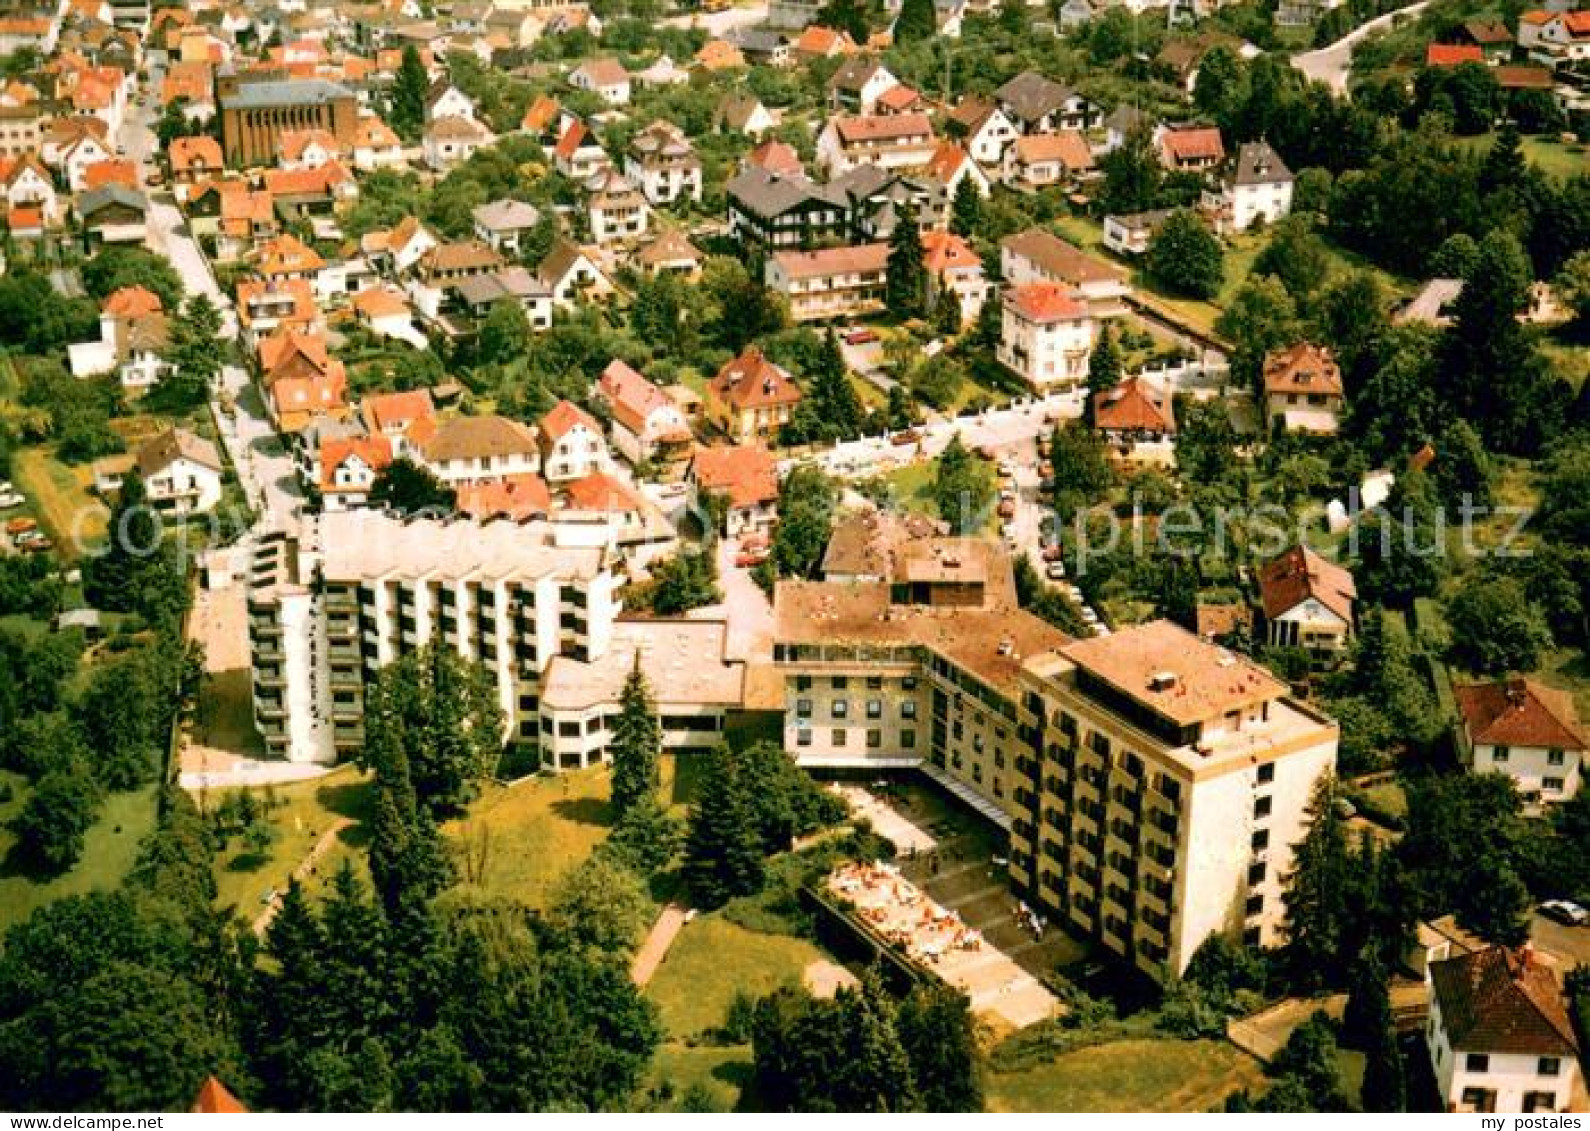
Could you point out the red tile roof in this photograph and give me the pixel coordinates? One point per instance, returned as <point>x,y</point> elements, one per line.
<point>215,1099</point>
<point>132,302</point>
<point>373,450</point>
<point>1200,144</point>
<point>516,497</point>
<point>186,152</point>
<point>853,129</point>
<point>945,251</point>
<point>1045,302</point>
<point>1520,712</point>
<point>1452,54</point>
<point>776,157</point>
<point>1502,1001</point>
<point>747,474</point>
<point>1133,406</point>
<point>395,411</point>
<point>1302,368</point>
<point>1522,77</point>
<point>600,491</point>
<point>1299,574</point>
<point>752,381</point>
<point>631,396</point>
<point>563,418</point>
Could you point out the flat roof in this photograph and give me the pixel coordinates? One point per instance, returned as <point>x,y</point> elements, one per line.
<point>360,545</point>
<point>683,661</point>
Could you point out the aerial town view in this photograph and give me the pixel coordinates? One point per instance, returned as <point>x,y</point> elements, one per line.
<point>851,556</point>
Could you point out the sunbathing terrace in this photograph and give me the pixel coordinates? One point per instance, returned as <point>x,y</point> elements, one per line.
<point>939,939</point>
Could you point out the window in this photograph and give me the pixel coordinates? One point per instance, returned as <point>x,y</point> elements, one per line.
<point>1550,784</point>
<point>803,708</point>
<point>1548,1066</point>
<point>1255,905</point>
<point>1477,1062</point>
<point>908,709</point>
<point>803,737</point>
<point>1261,808</point>
<point>874,683</point>
<point>1261,840</point>
<point>874,739</point>
<point>803,683</point>
<point>1554,757</point>
<point>839,682</point>
<point>1266,773</point>
<point>909,683</point>
<point>874,708</point>
<point>1500,754</point>
<point>837,736</point>
<point>908,739</point>
<point>1256,872</point>
<point>839,708</point>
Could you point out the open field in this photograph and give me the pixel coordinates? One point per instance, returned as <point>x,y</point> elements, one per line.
<point>1134,1075</point>
<point>61,498</point>
<point>1554,158</point>
<point>307,810</point>
<point>108,851</point>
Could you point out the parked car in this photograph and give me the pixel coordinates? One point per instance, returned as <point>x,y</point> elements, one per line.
<point>861,336</point>
<point>20,525</point>
<point>37,546</point>
<point>909,436</point>
<point>9,499</point>
<point>1056,571</point>
<point>1565,911</point>
<point>1052,552</point>
<point>1007,508</point>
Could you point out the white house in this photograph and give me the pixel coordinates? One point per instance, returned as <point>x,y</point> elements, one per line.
<point>1046,335</point>
<point>889,141</point>
<point>1499,1035</point>
<point>984,130</point>
<point>1527,731</point>
<point>444,100</point>
<point>349,467</point>
<point>1258,188</point>
<point>26,184</point>
<point>1303,390</point>
<point>503,224</point>
<point>450,140</point>
<point>376,145</point>
<point>616,209</point>
<point>605,78</point>
<point>661,160</point>
<point>572,273</point>
<point>1307,602</point>
<point>745,478</point>
<point>952,264</point>
<point>572,446</point>
<point>648,424</point>
<point>181,472</point>
<point>479,449</point>
<point>858,83</point>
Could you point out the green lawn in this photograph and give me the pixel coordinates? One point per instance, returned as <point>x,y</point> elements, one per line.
<point>62,500</point>
<point>913,487</point>
<point>108,851</point>
<point>305,812</point>
<point>712,960</point>
<point>718,1071</point>
<point>1554,158</point>
<point>1135,1075</point>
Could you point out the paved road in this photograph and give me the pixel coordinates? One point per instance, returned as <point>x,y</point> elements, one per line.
<point>262,462</point>
<point>1332,63</point>
<point>717,23</point>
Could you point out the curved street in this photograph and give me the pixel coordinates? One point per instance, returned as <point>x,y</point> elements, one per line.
<point>1332,63</point>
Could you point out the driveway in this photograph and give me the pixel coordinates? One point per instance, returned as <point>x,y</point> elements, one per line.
<point>1570,946</point>
<point>1332,63</point>
<point>718,23</point>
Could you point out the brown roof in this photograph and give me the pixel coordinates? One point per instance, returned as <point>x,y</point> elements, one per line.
<point>775,157</point>
<point>185,152</point>
<point>1166,668</point>
<point>1068,147</point>
<point>480,437</point>
<point>1218,620</point>
<point>1520,712</point>
<point>1065,262</point>
<point>1299,574</point>
<point>172,445</point>
<point>630,396</point>
<point>867,257</point>
<point>513,496</point>
<point>866,543</point>
<point>132,302</point>
<point>1135,405</point>
<point>752,381</point>
<point>747,473</point>
<point>392,410</point>
<point>670,247</point>
<point>1522,78</point>
<point>944,251</point>
<point>1502,1001</point>
<point>853,129</point>
<point>603,72</point>
<point>1201,143</point>
<point>470,255</point>
<point>1302,368</point>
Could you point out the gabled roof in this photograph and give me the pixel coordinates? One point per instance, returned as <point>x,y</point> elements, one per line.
<point>132,302</point>
<point>285,344</point>
<point>1522,77</point>
<point>776,157</point>
<point>1193,143</point>
<point>770,195</point>
<point>506,216</point>
<point>824,41</point>
<point>106,196</point>
<point>737,109</point>
<point>540,114</point>
<point>1054,256</point>
<point>375,451</point>
<point>630,396</point>
<point>288,255</point>
<point>669,247</point>
<point>215,1099</point>
<point>480,437</point>
<point>601,492</point>
<point>563,417</point>
<point>602,72</point>
<point>1452,54</point>
<point>855,73</point>
<point>752,381</point>
<point>1258,164</point>
<point>867,258</point>
<point>395,411</point>
<point>855,129</point>
<point>186,152</point>
<point>899,98</point>
<point>1520,712</point>
<point>293,144</point>
<point>1300,574</point>
<point>172,445</point>
<point>1029,96</point>
<point>1134,405</point>
<point>517,497</point>
<point>945,251</point>
<point>1068,147</point>
<point>1502,1001</point>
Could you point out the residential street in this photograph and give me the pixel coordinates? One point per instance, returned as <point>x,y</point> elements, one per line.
<point>261,459</point>
<point>1332,63</point>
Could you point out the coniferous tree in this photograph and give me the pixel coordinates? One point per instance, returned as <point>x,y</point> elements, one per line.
<point>966,209</point>
<point>947,313</point>
<point>917,21</point>
<point>1316,896</point>
<point>636,745</point>
<point>409,90</point>
<point>905,287</point>
<point>938,1034</point>
<point>835,399</point>
<point>1104,365</point>
<point>723,849</point>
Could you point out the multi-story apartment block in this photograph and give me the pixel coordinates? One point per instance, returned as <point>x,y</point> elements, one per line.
<point>664,164</point>
<point>890,141</point>
<point>836,282</point>
<point>1046,335</point>
<point>1167,785</point>
<point>363,588</point>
